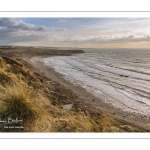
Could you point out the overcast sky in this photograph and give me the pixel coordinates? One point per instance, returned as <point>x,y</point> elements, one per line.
<point>76,32</point>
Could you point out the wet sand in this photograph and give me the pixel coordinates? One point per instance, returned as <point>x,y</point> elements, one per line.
<point>87,98</point>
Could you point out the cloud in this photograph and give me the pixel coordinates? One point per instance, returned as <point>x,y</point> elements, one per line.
<point>106,39</point>
<point>61,29</point>
<point>58,29</point>
<point>42,28</point>
<point>12,30</point>
<point>16,24</point>
<point>61,20</point>
<point>73,32</point>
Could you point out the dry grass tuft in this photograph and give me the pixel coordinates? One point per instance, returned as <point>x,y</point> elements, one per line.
<point>22,102</point>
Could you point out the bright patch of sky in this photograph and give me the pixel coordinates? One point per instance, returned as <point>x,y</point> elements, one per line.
<point>76,32</point>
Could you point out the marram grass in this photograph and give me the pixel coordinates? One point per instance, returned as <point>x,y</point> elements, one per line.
<point>21,102</point>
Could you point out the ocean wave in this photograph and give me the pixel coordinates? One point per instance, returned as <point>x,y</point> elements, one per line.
<point>109,75</point>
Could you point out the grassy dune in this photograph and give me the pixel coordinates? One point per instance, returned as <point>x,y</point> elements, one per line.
<point>26,93</point>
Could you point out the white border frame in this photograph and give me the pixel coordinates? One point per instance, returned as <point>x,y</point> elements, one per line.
<point>74,14</point>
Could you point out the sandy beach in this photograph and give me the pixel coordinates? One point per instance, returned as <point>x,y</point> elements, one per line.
<point>87,98</point>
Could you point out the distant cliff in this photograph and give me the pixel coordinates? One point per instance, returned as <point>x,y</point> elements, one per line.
<point>32,51</point>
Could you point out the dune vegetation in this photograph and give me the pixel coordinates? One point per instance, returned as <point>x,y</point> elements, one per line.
<point>27,94</point>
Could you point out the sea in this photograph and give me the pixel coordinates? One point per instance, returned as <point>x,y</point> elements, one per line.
<point>119,77</point>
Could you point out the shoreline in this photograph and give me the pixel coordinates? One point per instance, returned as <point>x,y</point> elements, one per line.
<point>87,98</point>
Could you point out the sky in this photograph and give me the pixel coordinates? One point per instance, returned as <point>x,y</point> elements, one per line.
<point>76,32</point>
